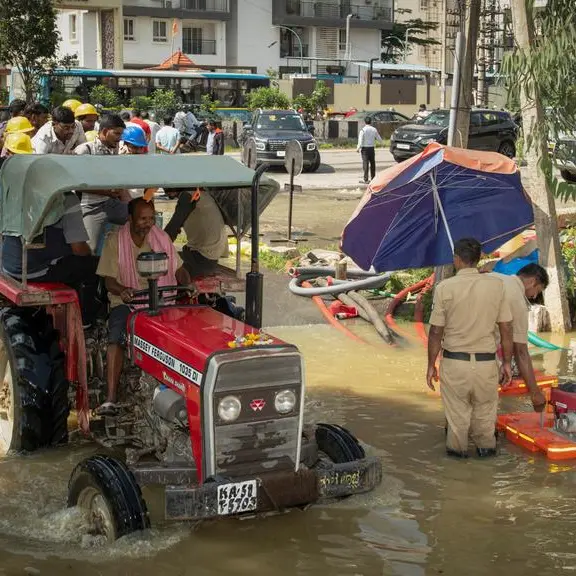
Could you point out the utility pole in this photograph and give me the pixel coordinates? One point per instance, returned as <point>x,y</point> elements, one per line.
<point>444,38</point>
<point>542,198</point>
<point>482,53</point>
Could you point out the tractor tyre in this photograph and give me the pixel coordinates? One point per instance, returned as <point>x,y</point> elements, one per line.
<point>34,403</point>
<point>338,444</point>
<point>106,490</point>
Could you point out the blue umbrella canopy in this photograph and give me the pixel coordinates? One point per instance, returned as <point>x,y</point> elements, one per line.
<point>413,213</point>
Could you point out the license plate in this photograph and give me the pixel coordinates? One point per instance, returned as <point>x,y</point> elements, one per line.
<point>281,153</point>
<point>403,146</point>
<point>237,497</point>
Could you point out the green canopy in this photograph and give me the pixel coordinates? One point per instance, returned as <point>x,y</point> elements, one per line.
<point>33,185</point>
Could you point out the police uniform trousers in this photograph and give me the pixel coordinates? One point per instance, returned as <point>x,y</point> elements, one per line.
<point>469,392</point>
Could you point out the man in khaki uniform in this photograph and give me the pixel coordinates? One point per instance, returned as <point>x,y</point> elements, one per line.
<point>529,283</point>
<point>466,309</point>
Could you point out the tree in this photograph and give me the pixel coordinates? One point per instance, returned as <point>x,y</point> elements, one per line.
<point>541,71</point>
<point>265,97</point>
<point>208,105</point>
<point>141,103</point>
<point>394,41</point>
<point>317,100</point>
<point>165,102</point>
<point>105,96</point>
<point>28,39</point>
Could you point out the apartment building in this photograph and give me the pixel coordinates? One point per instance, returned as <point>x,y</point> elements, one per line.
<point>292,36</point>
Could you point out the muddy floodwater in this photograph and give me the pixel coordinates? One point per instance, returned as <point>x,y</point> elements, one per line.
<point>514,515</point>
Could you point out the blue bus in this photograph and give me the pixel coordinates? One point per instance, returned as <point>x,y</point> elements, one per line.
<point>229,89</point>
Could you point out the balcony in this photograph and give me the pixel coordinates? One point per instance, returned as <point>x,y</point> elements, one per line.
<point>370,14</point>
<point>294,51</point>
<point>195,47</point>
<point>183,9</point>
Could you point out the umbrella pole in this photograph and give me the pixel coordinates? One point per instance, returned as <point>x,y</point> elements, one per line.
<point>441,208</point>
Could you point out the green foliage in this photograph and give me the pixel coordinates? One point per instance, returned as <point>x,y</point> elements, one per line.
<point>4,96</point>
<point>28,39</point>
<point>317,100</point>
<point>406,278</point>
<point>164,102</point>
<point>545,75</point>
<point>394,41</point>
<point>267,97</point>
<point>272,73</point>
<point>106,97</point>
<point>141,103</point>
<point>208,106</point>
<point>568,241</point>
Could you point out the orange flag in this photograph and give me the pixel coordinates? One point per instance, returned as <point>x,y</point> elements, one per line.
<point>174,27</point>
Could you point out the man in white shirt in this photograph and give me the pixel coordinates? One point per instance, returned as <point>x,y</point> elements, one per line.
<point>167,138</point>
<point>61,135</point>
<point>366,142</point>
<point>154,129</point>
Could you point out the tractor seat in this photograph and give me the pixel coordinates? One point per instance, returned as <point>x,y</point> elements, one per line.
<point>48,293</point>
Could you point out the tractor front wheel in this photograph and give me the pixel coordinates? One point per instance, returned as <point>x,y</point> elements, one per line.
<point>338,444</point>
<point>107,493</point>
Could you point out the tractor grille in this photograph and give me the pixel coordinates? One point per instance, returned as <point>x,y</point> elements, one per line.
<point>260,440</point>
<point>277,145</point>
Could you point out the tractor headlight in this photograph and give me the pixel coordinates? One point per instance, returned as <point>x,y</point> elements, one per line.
<point>152,265</point>
<point>229,408</point>
<point>285,401</point>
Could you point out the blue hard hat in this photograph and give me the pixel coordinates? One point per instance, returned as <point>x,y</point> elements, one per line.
<point>134,135</point>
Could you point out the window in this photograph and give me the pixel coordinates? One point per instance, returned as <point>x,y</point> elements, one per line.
<point>342,40</point>
<point>159,32</point>
<point>129,29</point>
<point>192,40</point>
<point>73,28</point>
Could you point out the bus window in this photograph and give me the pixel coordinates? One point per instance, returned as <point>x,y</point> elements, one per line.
<point>73,86</point>
<point>192,90</point>
<point>225,91</point>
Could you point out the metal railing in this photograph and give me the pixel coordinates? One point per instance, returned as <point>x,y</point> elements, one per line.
<point>294,51</point>
<point>190,46</point>
<point>377,11</point>
<point>206,5</point>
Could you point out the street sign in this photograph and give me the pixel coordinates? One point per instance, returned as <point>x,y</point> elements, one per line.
<point>294,161</point>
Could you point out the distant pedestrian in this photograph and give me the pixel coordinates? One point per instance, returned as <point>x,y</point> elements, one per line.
<point>366,142</point>
<point>215,142</point>
<point>168,138</point>
<point>154,129</point>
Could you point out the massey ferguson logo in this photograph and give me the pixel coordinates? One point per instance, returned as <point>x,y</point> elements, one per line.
<point>258,404</point>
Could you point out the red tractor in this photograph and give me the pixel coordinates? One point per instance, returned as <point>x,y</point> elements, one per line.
<point>211,407</point>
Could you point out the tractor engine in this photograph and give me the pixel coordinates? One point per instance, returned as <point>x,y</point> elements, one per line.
<point>563,399</point>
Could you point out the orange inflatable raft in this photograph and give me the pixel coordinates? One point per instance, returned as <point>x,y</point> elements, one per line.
<point>526,430</point>
<point>518,387</point>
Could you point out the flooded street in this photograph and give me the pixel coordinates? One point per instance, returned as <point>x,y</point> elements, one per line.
<point>513,515</point>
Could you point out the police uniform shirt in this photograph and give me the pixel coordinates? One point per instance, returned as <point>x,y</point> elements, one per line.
<point>468,306</point>
<point>519,306</point>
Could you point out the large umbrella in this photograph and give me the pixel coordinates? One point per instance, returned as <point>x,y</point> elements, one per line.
<point>412,213</point>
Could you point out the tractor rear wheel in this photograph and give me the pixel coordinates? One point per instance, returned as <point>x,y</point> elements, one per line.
<point>338,444</point>
<point>33,389</point>
<point>107,492</point>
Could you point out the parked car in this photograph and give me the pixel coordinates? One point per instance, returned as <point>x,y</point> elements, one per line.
<point>273,129</point>
<point>564,154</point>
<point>380,116</point>
<point>490,130</point>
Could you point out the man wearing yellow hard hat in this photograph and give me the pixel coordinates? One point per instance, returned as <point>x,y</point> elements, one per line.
<point>16,125</point>
<point>72,104</point>
<point>87,115</point>
<point>16,143</point>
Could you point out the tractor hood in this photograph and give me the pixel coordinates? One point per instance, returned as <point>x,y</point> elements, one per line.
<point>175,344</point>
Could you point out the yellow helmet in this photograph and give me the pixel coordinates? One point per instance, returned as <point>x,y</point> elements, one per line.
<point>18,143</point>
<point>91,135</point>
<point>72,104</point>
<point>85,110</point>
<point>18,124</point>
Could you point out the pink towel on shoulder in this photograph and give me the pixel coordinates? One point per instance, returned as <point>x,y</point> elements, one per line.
<point>159,242</point>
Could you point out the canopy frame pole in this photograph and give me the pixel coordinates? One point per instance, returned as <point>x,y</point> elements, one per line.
<point>441,208</point>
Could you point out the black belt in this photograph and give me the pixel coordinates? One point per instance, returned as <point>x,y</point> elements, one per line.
<point>478,356</point>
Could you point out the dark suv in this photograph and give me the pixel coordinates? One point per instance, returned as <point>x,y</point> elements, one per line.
<point>490,130</point>
<point>273,129</point>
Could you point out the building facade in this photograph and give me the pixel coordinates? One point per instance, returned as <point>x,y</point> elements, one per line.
<point>291,36</point>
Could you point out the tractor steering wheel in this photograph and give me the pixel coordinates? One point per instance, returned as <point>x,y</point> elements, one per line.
<point>142,297</point>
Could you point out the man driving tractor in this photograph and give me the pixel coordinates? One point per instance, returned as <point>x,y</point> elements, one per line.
<point>118,268</point>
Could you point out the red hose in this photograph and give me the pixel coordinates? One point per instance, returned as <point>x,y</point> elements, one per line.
<point>397,300</point>
<point>419,310</point>
<point>326,313</point>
